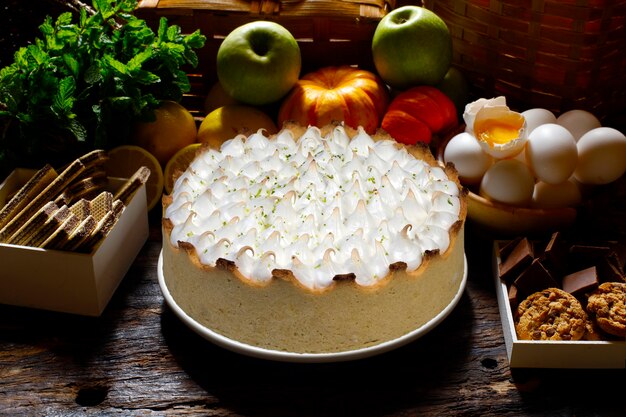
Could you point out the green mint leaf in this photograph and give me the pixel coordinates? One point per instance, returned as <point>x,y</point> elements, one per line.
<point>92,74</point>
<point>72,65</point>
<point>64,19</point>
<point>173,33</point>
<point>116,65</point>
<point>162,32</point>
<point>195,40</point>
<point>64,99</point>
<point>78,130</point>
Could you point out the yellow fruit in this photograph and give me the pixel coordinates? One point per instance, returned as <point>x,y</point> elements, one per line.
<point>216,98</point>
<point>231,120</point>
<point>178,164</point>
<point>125,160</point>
<point>173,129</point>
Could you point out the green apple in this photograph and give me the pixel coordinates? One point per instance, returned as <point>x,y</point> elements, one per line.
<point>258,62</point>
<point>411,46</point>
<point>455,86</point>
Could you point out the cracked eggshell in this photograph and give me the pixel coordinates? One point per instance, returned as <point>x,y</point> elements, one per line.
<point>472,109</point>
<point>500,131</point>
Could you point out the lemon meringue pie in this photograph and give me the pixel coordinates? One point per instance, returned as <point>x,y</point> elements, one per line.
<point>314,240</point>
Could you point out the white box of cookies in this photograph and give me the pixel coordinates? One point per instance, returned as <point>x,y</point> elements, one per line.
<point>552,318</point>
<point>68,238</point>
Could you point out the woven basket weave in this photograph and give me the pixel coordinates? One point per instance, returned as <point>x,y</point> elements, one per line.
<point>329,32</point>
<point>553,54</point>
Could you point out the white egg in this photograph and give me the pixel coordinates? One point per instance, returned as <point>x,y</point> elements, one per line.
<point>551,153</point>
<point>601,156</point>
<point>508,181</point>
<point>565,194</point>
<point>468,157</point>
<point>537,117</point>
<point>578,122</point>
<point>521,157</point>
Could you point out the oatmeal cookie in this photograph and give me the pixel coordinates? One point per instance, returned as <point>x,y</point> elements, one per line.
<point>551,314</point>
<point>608,304</point>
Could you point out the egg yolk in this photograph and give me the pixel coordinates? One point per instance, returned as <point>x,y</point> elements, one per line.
<point>499,131</point>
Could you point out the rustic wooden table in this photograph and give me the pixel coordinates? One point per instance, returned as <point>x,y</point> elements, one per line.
<point>138,358</point>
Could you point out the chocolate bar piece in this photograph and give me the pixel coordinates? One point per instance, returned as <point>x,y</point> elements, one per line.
<point>581,282</point>
<point>610,269</point>
<point>519,259</point>
<point>534,278</point>
<point>506,248</point>
<point>556,254</point>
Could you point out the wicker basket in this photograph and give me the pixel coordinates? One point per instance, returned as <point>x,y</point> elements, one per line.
<point>556,54</point>
<point>329,32</point>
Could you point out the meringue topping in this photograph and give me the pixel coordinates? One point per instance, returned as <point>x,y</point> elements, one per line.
<point>319,205</point>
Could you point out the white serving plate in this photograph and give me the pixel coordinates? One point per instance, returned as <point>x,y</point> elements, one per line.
<point>284,356</point>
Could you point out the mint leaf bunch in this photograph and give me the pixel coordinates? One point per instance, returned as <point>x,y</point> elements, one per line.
<point>84,83</point>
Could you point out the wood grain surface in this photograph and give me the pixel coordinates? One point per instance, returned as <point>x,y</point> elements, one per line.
<point>138,359</point>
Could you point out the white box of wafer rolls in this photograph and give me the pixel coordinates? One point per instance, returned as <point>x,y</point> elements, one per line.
<point>72,281</point>
<point>609,353</point>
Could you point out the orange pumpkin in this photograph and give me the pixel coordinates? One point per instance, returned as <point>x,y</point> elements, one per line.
<point>355,96</point>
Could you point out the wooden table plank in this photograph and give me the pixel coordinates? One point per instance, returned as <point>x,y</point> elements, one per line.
<point>139,359</point>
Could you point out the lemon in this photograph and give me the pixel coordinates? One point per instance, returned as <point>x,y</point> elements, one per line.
<point>178,164</point>
<point>216,98</point>
<point>173,129</point>
<point>231,120</point>
<point>125,160</point>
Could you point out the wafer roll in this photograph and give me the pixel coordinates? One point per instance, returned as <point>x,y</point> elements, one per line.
<point>100,205</point>
<point>80,234</point>
<point>62,234</point>
<point>86,188</point>
<point>81,209</point>
<point>130,187</point>
<point>117,208</point>
<point>52,224</point>
<point>48,194</point>
<point>33,225</point>
<point>64,198</point>
<point>24,195</point>
<point>94,159</point>
<point>102,230</point>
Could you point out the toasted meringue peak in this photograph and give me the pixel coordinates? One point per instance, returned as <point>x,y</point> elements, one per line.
<point>322,206</point>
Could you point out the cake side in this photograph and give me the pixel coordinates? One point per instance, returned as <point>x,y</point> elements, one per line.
<point>285,317</point>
